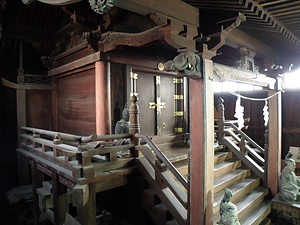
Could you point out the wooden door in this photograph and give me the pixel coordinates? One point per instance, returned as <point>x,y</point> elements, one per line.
<point>157,104</point>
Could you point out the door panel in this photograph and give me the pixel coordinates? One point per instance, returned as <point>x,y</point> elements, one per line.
<point>166,119</point>
<point>146,93</point>
<point>156,102</point>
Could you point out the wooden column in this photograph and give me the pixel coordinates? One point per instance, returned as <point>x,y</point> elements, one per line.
<point>134,124</point>
<point>102,99</point>
<point>274,143</point>
<point>84,198</point>
<point>60,202</point>
<point>202,148</point>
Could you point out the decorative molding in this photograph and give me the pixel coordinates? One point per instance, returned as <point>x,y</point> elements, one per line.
<point>227,73</point>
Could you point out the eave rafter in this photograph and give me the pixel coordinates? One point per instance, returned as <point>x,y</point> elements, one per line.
<point>261,15</point>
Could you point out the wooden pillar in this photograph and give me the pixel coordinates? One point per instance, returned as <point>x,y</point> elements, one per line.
<point>21,109</point>
<point>202,148</point>
<point>221,120</point>
<point>84,198</point>
<point>134,124</point>
<point>102,99</point>
<point>274,143</point>
<point>34,182</point>
<point>60,202</point>
<point>55,105</point>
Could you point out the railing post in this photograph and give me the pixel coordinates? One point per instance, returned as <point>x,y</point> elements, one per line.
<point>242,145</point>
<point>221,120</point>
<point>160,167</point>
<point>134,125</point>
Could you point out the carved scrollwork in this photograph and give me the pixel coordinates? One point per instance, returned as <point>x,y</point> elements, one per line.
<point>102,6</point>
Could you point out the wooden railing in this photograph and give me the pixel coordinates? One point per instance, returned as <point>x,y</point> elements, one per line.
<point>81,158</point>
<point>165,179</point>
<point>241,145</point>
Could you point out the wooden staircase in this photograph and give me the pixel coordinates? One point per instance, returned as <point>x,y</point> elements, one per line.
<point>166,208</point>
<point>249,196</point>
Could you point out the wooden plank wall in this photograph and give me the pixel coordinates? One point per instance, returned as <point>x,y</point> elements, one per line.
<point>76,103</point>
<point>118,92</point>
<point>290,121</point>
<point>39,108</point>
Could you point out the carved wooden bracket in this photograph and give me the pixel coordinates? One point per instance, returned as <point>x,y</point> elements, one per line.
<point>187,63</point>
<point>178,34</point>
<point>111,40</point>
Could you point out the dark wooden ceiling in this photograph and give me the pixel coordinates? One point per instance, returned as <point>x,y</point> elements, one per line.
<point>274,22</point>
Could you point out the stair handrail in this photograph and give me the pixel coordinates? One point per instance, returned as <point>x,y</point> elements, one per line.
<point>163,158</point>
<point>246,137</point>
<point>242,146</point>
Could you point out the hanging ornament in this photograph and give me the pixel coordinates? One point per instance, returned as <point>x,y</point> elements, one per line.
<point>239,113</point>
<point>266,113</point>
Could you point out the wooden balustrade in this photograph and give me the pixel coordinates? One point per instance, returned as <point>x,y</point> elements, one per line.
<point>241,144</point>
<point>161,173</point>
<point>83,156</point>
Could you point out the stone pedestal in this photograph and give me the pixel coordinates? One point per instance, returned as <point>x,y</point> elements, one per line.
<point>285,212</point>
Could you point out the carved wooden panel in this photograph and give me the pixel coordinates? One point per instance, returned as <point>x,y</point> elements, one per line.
<point>77,113</point>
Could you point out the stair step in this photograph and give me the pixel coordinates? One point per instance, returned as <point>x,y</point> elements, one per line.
<point>224,167</point>
<point>258,217</point>
<point>252,208</point>
<point>238,190</point>
<point>220,183</point>
<point>220,156</point>
<point>250,202</point>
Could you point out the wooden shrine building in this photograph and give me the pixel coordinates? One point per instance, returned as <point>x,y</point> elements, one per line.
<point>68,70</point>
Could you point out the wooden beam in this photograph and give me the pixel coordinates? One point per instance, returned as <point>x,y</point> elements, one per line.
<point>237,38</point>
<point>175,9</point>
<point>111,40</point>
<point>75,64</point>
<point>10,84</point>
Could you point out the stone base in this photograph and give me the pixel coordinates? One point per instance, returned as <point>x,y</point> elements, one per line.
<point>285,212</point>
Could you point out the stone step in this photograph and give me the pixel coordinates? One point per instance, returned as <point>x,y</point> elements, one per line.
<point>239,190</point>
<point>233,177</point>
<point>226,166</point>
